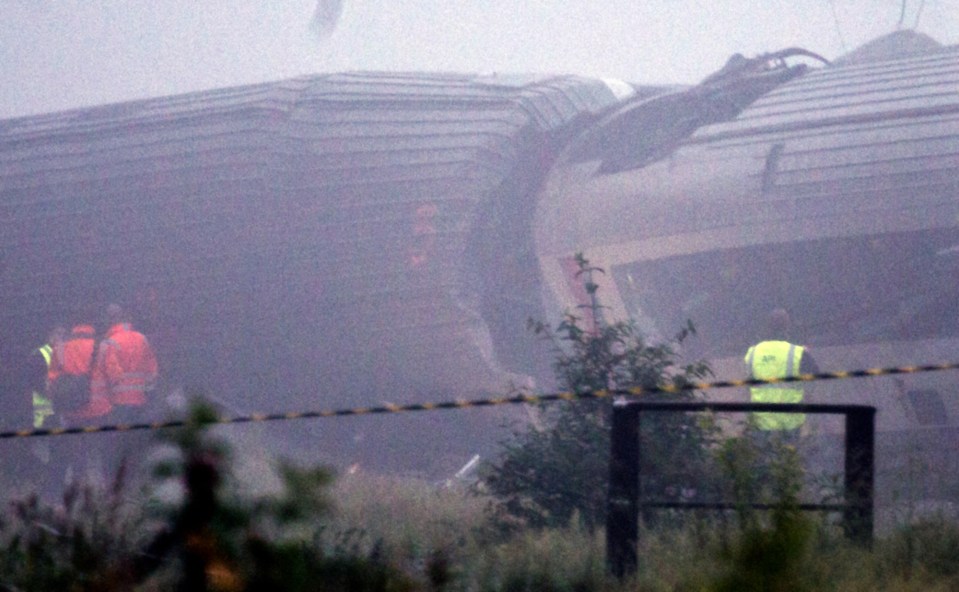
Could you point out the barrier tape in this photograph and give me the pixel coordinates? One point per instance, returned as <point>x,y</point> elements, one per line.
<point>464,404</point>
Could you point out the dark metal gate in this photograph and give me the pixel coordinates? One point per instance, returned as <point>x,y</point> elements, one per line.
<point>622,520</point>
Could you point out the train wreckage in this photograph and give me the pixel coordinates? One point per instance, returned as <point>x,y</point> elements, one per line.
<point>354,238</point>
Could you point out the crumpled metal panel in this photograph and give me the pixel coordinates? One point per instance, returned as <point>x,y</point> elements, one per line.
<point>314,234</point>
<point>852,93</point>
<point>849,138</point>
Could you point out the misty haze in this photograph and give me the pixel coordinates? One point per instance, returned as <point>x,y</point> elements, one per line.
<point>340,205</point>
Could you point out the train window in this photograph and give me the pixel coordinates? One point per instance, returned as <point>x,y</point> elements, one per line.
<point>889,287</point>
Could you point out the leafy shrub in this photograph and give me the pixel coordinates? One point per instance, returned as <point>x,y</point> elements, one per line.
<point>85,542</point>
<point>212,537</point>
<point>222,539</point>
<point>550,474</point>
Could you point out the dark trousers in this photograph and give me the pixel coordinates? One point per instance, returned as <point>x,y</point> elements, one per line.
<point>129,448</point>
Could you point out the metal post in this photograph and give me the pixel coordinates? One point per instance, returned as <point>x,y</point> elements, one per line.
<point>622,521</point>
<point>860,475</point>
<point>622,515</point>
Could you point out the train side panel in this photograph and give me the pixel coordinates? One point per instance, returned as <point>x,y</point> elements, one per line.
<point>299,245</point>
<point>835,196</point>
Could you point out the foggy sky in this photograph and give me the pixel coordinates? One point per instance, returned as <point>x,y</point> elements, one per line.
<point>60,54</point>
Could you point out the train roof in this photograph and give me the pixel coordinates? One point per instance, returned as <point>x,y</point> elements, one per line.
<point>877,132</point>
<point>351,196</point>
<point>853,91</point>
<point>357,114</point>
<point>859,135</point>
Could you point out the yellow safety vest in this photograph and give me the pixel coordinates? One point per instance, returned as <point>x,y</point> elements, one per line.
<point>42,406</point>
<point>775,359</point>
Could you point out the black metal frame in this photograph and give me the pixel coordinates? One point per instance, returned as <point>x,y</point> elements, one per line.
<point>622,518</point>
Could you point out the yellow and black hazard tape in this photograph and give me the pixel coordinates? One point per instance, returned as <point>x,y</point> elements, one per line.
<point>702,386</point>
<point>523,398</point>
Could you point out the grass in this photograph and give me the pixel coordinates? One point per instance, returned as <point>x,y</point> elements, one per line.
<point>369,532</point>
<point>697,552</point>
<point>434,538</point>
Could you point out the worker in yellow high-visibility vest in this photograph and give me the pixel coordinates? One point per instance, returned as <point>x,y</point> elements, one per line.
<point>42,405</point>
<point>41,371</point>
<point>778,358</point>
<point>38,471</point>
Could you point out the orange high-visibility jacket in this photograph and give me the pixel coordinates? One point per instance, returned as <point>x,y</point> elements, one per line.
<point>125,368</point>
<point>75,355</point>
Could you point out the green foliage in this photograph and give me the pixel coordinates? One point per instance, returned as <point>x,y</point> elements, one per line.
<point>759,467</point>
<point>927,548</point>
<point>211,537</point>
<point>560,560</point>
<point>429,531</point>
<point>399,535</point>
<point>235,542</point>
<point>550,474</point>
<point>771,556</point>
<point>395,534</point>
<point>82,543</point>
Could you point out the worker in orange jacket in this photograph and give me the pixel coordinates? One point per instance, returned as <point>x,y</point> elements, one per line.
<point>71,364</point>
<point>124,372</point>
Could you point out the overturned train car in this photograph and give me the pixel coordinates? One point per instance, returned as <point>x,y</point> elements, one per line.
<point>834,196</point>
<point>324,242</point>
<point>352,239</point>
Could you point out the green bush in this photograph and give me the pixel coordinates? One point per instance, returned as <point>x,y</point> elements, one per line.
<point>391,534</point>
<point>551,473</point>
<point>212,537</point>
<point>82,543</point>
<point>222,539</point>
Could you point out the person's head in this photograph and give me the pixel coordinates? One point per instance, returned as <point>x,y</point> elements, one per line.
<point>116,315</point>
<point>57,335</point>
<point>779,323</point>
<point>82,330</point>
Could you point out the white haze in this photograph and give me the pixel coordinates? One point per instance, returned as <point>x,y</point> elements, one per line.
<point>60,54</point>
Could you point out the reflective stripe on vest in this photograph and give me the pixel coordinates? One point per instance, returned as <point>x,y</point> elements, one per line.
<point>47,352</point>
<point>42,406</point>
<point>42,409</point>
<point>769,360</point>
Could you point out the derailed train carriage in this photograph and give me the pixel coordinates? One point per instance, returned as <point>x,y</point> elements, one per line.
<point>834,196</point>
<point>354,239</point>
<point>318,243</point>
